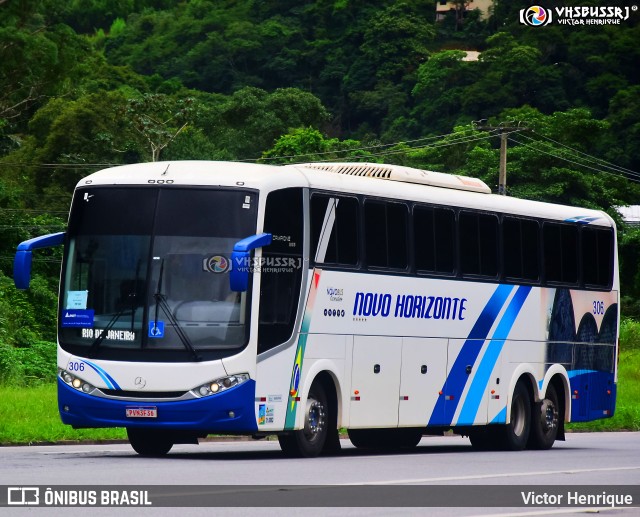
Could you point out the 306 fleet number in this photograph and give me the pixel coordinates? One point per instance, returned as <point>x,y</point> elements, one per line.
<point>598,307</point>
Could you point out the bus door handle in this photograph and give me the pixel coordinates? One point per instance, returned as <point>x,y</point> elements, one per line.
<point>468,369</point>
<point>376,368</point>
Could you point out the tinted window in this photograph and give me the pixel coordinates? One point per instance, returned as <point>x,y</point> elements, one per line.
<point>434,239</point>
<point>520,245</point>
<point>334,229</point>
<point>597,256</point>
<point>281,269</point>
<point>130,210</point>
<point>385,234</point>
<point>478,244</point>
<point>560,243</point>
<point>204,212</point>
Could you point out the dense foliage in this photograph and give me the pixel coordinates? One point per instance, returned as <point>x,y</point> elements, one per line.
<point>85,84</point>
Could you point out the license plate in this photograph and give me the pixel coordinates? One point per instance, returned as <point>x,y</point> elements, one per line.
<point>142,412</point>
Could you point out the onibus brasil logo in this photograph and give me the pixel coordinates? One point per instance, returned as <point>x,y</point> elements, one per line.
<point>535,16</point>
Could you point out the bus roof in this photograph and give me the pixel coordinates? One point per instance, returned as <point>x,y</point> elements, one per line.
<point>380,180</point>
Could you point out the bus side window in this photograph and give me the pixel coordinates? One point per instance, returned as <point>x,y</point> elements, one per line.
<point>385,226</point>
<point>281,268</point>
<point>560,249</point>
<point>434,239</point>
<point>597,257</point>
<point>520,249</point>
<point>478,234</point>
<point>334,230</point>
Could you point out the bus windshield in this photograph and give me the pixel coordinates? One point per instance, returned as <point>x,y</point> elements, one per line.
<point>146,273</point>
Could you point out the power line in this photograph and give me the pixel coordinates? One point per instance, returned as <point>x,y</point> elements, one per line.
<point>572,161</point>
<point>351,149</point>
<point>70,166</point>
<point>458,141</point>
<point>588,157</point>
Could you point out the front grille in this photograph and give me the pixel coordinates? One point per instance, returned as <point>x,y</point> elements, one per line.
<point>144,394</point>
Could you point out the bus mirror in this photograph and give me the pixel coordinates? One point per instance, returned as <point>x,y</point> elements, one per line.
<point>241,260</point>
<point>22,261</point>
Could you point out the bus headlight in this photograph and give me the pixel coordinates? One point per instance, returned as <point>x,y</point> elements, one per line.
<point>213,387</point>
<point>75,382</point>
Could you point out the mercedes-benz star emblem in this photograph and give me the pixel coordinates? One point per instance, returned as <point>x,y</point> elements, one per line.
<point>140,382</point>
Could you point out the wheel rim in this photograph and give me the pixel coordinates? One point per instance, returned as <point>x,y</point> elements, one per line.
<point>548,416</point>
<point>518,416</point>
<point>315,419</point>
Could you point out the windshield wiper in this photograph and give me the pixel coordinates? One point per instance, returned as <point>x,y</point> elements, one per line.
<point>161,302</point>
<point>93,349</point>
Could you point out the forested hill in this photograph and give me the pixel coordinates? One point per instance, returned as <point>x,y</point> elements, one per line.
<point>88,83</point>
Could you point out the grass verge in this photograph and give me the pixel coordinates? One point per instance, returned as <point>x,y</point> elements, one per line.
<point>30,414</point>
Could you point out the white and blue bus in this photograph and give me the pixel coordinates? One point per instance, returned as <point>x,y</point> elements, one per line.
<point>228,298</point>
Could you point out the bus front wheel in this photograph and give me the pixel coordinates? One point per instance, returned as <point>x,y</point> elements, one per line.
<point>309,441</point>
<point>149,443</point>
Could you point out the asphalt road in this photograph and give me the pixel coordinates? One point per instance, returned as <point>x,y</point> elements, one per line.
<point>611,459</point>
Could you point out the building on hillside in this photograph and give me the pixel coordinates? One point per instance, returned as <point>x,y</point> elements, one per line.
<point>630,214</point>
<point>443,7</point>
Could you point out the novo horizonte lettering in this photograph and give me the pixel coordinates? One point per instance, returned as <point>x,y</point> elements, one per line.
<point>409,306</point>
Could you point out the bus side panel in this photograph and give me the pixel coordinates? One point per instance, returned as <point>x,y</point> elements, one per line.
<point>376,379</point>
<point>424,364</point>
<point>272,389</point>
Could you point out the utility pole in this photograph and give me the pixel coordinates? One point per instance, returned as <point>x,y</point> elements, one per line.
<point>502,172</point>
<point>502,175</point>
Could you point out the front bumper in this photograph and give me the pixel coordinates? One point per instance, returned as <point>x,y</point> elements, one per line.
<point>232,411</point>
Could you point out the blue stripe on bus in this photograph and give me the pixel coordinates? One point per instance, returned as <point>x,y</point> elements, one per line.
<point>490,358</point>
<point>500,418</point>
<point>109,381</point>
<point>457,379</point>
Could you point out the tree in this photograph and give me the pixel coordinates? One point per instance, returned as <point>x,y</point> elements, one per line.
<point>308,145</point>
<point>249,121</point>
<point>441,89</point>
<point>158,119</point>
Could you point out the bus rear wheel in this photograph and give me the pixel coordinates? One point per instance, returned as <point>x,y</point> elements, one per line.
<point>309,441</point>
<point>544,428</point>
<point>516,433</point>
<point>483,438</point>
<point>149,442</point>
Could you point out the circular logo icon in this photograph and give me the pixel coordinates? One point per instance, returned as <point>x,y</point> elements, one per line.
<point>217,264</point>
<point>537,16</point>
<point>140,382</point>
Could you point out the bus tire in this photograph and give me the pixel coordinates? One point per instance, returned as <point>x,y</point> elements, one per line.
<point>483,438</point>
<point>309,441</point>
<point>408,437</point>
<point>388,439</point>
<point>515,434</point>
<point>545,421</point>
<point>151,443</point>
<point>366,438</point>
